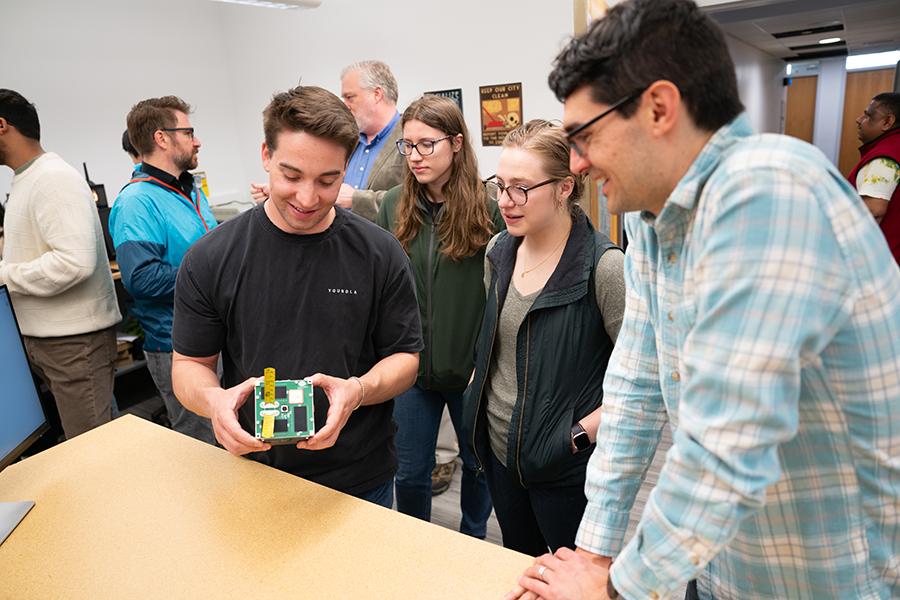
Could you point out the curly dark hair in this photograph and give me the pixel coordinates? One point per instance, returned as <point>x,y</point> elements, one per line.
<point>642,41</point>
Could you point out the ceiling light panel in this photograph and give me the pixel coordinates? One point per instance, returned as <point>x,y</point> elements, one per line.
<point>283,4</point>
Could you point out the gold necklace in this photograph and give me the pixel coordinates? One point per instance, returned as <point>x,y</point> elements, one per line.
<point>552,252</point>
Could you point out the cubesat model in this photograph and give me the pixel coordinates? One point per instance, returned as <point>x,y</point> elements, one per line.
<point>283,410</point>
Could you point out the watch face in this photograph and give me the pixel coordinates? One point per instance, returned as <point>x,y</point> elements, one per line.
<point>580,438</point>
<point>582,442</point>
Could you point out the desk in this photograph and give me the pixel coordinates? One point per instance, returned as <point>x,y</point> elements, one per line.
<point>134,510</point>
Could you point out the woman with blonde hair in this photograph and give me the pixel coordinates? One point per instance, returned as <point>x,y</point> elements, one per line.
<point>443,218</point>
<point>556,295</point>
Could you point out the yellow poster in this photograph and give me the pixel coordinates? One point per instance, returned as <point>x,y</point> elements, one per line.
<point>501,111</point>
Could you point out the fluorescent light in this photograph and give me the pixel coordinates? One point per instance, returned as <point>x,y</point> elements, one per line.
<point>868,61</point>
<point>790,68</point>
<point>829,40</point>
<point>285,4</point>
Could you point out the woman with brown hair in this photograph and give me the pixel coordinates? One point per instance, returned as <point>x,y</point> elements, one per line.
<point>556,295</point>
<point>443,219</point>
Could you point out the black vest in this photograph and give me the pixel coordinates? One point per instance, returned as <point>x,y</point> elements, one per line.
<point>562,350</point>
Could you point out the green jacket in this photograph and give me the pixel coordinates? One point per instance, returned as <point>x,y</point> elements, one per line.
<point>562,350</point>
<point>451,299</point>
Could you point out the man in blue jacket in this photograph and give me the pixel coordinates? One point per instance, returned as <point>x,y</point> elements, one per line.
<point>154,220</point>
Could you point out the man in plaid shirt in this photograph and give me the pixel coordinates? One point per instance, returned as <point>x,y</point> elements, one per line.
<point>760,322</point>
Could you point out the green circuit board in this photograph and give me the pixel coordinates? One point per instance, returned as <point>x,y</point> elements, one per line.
<point>286,417</point>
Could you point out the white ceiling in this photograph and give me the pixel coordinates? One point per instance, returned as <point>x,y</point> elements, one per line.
<point>864,26</point>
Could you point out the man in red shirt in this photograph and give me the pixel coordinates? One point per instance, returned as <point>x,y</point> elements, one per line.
<point>877,175</point>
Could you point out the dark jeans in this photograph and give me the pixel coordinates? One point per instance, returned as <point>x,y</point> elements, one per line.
<point>537,517</point>
<point>418,414</point>
<point>382,495</point>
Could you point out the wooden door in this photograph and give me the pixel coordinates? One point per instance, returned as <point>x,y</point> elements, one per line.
<point>861,87</point>
<point>592,203</point>
<point>800,116</point>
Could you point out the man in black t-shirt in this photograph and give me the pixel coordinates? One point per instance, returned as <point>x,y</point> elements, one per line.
<point>303,286</point>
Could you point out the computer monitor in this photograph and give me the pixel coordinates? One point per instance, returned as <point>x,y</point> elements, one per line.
<point>22,418</point>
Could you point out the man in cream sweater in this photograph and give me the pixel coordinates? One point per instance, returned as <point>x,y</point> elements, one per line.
<point>55,265</point>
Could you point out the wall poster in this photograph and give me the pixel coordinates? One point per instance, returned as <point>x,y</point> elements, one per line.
<point>501,111</point>
<point>455,95</point>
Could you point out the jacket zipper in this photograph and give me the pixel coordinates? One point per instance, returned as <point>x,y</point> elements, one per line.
<point>524,396</point>
<point>484,381</point>
<point>430,340</point>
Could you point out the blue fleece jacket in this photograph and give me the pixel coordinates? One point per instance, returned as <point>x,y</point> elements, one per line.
<point>152,225</point>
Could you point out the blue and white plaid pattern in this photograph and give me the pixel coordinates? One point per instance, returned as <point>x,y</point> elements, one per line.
<point>763,321</point>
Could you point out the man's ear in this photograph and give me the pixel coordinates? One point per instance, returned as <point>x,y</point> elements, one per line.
<point>378,93</point>
<point>265,157</point>
<point>4,126</point>
<point>161,139</point>
<point>663,100</point>
<point>889,122</point>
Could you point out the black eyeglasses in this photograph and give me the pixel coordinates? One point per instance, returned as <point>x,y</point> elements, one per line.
<point>188,130</point>
<point>517,193</point>
<point>573,143</point>
<point>425,147</point>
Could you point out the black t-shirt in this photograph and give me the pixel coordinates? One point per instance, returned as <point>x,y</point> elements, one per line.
<point>335,302</point>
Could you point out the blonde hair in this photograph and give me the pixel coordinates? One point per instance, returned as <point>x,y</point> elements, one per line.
<point>548,141</point>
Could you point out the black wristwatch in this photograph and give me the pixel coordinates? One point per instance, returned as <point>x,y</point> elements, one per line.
<point>580,438</point>
<point>610,590</point>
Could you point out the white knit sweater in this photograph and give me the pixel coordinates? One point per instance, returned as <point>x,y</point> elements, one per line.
<point>54,260</point>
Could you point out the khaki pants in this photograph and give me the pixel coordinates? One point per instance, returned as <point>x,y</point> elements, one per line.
<point>79,371</point>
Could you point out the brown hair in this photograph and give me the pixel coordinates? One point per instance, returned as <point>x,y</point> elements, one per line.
<point>548,141</point>
<point>312,110</point>
<point>149,116</point>
<point>465,226</point>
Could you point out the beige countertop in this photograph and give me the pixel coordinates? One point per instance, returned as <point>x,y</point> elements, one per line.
<point>134,510</point>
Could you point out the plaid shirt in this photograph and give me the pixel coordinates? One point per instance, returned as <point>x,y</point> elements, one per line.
<point>763,321</point>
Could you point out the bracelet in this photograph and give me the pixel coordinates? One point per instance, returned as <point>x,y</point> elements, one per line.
<point>363,397</point>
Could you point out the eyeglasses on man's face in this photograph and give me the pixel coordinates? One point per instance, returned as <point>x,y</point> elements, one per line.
<point>188,130</point>
<point>577,138</point>
<point>517,193</point>
<point>424,148</point>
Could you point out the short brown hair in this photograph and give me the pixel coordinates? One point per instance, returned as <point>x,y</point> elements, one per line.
<point>149,116</point>
<point>312,110</point>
